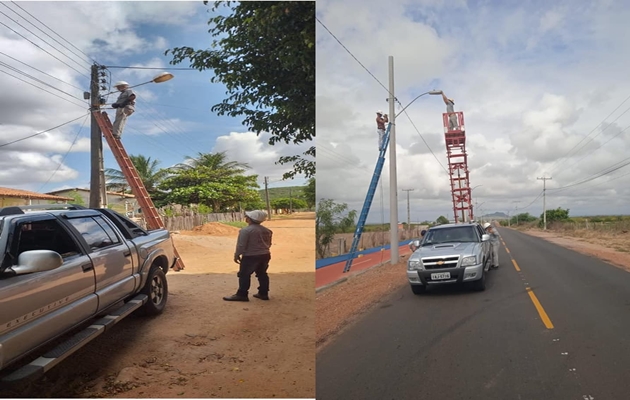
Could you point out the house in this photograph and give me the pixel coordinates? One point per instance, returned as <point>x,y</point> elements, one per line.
<point>122,202</point>
<point>15,197</point>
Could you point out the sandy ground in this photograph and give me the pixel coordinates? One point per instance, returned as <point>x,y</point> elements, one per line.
<point>341,305</point>
<point>202,346</point>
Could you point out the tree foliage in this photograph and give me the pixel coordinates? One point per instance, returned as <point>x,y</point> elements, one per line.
<point>554,215</point>
<point>522,218</point>
<point>148,170</point>
<point>264,53</point>
<point>308,193</point>
<point>442,220</point>
<point>331,218</point>
<point>287,205</point>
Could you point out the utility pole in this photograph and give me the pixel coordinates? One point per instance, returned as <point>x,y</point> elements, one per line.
<point>267,197</point>
<point>408,209</point>
<point>96,144</point>
<point>393,181</point>
<point>515,209</point>
<point>544,179</point>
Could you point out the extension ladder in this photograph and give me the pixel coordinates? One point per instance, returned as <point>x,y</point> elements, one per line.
<point>151,216</point>
<point>368,200</point>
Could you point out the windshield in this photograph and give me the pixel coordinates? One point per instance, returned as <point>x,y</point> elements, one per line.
<point>456,234</point>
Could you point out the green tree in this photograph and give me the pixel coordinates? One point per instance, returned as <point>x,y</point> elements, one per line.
<point>264,53</point>
<point>76,198</point>
<point>442,220</point>
<point>331,218</point>
<point>522,218</point>
<point>555,215</point>
<point>215,161</point>
<point>148,170</point>
<point>308,193</point>
<point>285,204</point>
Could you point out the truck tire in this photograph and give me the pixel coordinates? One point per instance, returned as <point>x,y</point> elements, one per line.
<point>480,285</point>
<point>417,289</point>
<point>156,288</point>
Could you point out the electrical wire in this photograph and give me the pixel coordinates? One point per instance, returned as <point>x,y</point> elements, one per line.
<point>42,132</point>
<point>56,95</point>
<point>53,31</point>
<point>12,68</point>
<point>64,46</point>
<point>605,171</point>
<point>174,69</point>
<point>65,155</point>
<point>38,70</point>
<point>41,48</point>
<point>530,204</point>
<point>425,142</point>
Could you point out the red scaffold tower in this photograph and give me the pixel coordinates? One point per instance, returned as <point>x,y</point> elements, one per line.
<point>455,137</point>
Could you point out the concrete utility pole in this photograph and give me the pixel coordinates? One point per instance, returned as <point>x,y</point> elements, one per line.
<point>393,182</point>
<point>408,209</point>
<point>96,144</point>
<point>544,179</point>
<point>515,209</point>
<point>267,197</point>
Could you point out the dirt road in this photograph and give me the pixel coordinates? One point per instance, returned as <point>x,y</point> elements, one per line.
<point>203,346</point>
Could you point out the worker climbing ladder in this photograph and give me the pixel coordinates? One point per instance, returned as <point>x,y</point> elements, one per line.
<point>368,200</point>
<point>151,216</point>
<point>455,138</point>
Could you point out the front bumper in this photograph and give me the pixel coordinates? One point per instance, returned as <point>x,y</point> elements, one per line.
<point>457,275</point>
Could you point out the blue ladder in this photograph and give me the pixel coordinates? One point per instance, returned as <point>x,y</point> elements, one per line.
<point>368,200</point>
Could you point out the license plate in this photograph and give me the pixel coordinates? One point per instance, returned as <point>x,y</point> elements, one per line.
<point>441,275</point>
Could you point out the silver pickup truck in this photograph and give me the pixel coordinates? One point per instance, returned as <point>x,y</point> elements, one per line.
<point>69,274</point>
<point>450,253</point>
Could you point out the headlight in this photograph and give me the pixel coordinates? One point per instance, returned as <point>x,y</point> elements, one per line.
<point>414,264</point>
<point>468,261</point>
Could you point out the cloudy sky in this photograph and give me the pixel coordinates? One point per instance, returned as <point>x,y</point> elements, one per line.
<point>541,84</point>
<point>172,120</point>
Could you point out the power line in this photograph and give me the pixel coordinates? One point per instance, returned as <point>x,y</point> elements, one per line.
<point>41,48</point>
<point>38,70</point>
<point>349,52</point>
<point>425,142</point>
<point>65,155</point>
<point>37,80</point>
<point>53,31</point>
<point>56,95</point>
<point>175,69</point>
<point>605,171</point>
<point>64,46</point>
<point>39,133</point>
<point>530,204</point>
<point>565,156</point>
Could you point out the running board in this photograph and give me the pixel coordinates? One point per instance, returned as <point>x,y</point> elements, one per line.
<point>45,363</point>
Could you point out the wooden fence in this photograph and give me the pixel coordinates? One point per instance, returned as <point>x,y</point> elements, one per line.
<point>343,241</point>
<point>190,220</point>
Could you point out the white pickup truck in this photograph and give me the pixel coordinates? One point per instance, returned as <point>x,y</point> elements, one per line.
<point>68,274</point>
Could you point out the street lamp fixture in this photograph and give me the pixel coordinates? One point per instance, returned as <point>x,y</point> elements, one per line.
<point>163,77</point>
<point>431,92</point>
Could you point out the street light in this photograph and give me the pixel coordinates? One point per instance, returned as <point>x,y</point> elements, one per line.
<point>471,190</point>
<point>431,92</point>
<point>163,77</point>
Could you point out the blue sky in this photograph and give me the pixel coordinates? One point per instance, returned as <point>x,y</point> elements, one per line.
<point>172,120</point>
<point>539,83</point>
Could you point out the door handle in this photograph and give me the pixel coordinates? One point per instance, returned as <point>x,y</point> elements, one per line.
<point>127,253</point>
<point>87,267</point>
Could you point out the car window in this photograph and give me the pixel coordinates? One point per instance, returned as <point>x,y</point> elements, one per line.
<point>108,229</point>
<point>93,233</point>
<point>461,234</point>
<point>44,235</point>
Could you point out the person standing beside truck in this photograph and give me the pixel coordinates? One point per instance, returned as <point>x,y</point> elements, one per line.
<point>494,244</point>
<point>253,255</point>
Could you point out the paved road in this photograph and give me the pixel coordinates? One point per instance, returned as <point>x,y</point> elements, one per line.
<point>557,329</point>
<point>334,272</point>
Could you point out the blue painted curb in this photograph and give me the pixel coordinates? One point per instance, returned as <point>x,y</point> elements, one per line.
<point>325,262</point>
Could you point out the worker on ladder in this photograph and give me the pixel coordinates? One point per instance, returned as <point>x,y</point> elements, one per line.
<point>452,117</point>
<point>125,106</point>
<point>381,120</point>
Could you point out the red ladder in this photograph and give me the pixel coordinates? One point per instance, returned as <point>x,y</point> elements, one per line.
<point>151,216</point>
<point>458,166</point>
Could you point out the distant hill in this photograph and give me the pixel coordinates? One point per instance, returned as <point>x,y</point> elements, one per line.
<point>282,192</point>
<point>497,215</point>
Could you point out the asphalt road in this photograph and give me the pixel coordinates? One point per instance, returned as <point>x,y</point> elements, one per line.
<point>557,329</point>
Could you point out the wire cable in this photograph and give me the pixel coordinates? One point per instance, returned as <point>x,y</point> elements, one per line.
<point>65,155</point>
<point>605,171</point>
<point>53,31</point>
<point>39,70</point>
<point>174,69</point>
<point>12,68</point>
<point>56,95</point>
<point>425,142</point>
<point>42,132</point>
<point>64,46</point>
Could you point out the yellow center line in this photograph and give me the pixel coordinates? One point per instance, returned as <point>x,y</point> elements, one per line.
<point>508,250</point>
<point>516,265</point>
<point>541,310</point>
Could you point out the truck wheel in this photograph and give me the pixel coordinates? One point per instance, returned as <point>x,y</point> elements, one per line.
<point>480,285</point>
<point>417,289</point>
<point>156,289</point>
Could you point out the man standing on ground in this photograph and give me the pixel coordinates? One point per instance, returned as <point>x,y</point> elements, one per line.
<point>381,120</point>
<point>253,255</point>
<point>494,244</point>
<point>452,118</point>
<point>125,106</point>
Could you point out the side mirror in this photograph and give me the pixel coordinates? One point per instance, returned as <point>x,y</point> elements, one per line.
<point>485,237</point>
<point>37,261</point>
<point>416,243</point>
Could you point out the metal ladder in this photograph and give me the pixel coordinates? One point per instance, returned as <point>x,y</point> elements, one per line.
<point>151,216</point>
<point>368,200</point>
